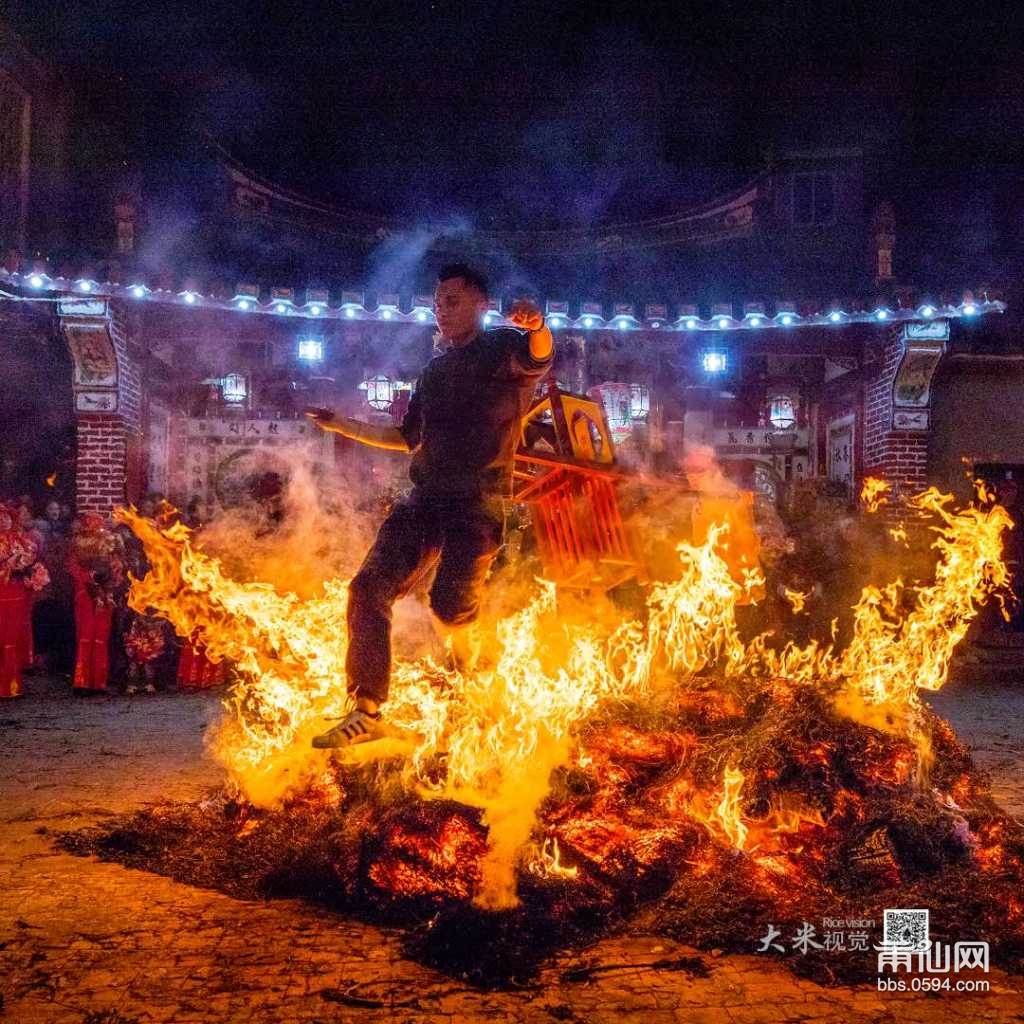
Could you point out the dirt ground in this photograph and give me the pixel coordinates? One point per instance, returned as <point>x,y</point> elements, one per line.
<point>94,943</point>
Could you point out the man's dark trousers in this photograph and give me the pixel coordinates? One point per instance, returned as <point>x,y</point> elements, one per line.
<point>460,536</point>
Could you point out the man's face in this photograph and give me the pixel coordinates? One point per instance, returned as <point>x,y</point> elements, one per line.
<point>53,511</point>
<point>459,309</point>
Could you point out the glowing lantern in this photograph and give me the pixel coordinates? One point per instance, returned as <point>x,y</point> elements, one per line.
<point>380,392</point>
<point>782,412</point>
<point>616,400</point>
<point>639,401</point>
<point>234,388</point>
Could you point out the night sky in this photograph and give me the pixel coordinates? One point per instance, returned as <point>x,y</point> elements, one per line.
<point>538,113</point>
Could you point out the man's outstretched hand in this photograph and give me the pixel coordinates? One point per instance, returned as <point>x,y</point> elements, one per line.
<point>526,315</point>
<point>376,436</point>
<point>320,416</point>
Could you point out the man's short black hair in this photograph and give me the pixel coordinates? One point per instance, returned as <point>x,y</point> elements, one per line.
<point>473,278</point>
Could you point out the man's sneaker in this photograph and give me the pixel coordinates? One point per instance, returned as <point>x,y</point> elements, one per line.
<point>131,691</point>
<point>356,727</point>
<point>150,688</point>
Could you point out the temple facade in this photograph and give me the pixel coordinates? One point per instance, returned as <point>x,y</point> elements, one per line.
<point>798,324</point>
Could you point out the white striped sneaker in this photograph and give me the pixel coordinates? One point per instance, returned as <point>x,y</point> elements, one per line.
<point>355,727</point>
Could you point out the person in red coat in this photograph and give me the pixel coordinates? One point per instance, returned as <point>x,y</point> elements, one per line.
<point>21,574</point>
<point>96,567</point>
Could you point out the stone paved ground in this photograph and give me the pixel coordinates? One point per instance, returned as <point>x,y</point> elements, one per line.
<point>82,941</point>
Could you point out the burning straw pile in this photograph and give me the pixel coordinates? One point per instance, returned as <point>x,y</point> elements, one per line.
<point>656,772</point>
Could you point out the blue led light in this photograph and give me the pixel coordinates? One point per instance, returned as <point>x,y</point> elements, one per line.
<point>349,312</point>
<point>554,322</point>
<point>787,319</point>
<point>970,309</point>
<point>311,349</point>
<point>386,314</point>
<point>755,321</point>
<point>244,304</point>
<point>421,316</point>
<point>713,362</point>
<point>190,298</point>
<point>881,314</point>
<point>588,321</point>
<point>85,286</point>
<point>36,280</point>
<point>835,316</point>
<point>623,324</point>
<point>280,308</point>
<point>314,310</point>
<point>927,311</point>
<point>138,291</point>
<point>487,317</point>
<point>691,324</point>
<point>723,322</point>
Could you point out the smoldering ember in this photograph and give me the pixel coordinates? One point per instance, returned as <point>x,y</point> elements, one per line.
<point>510,514</point>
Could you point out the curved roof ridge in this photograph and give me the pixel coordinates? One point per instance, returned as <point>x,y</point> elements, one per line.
<point>716,205</point>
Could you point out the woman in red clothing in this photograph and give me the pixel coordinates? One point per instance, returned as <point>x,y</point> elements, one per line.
<point>96,567</point>
<point>20,574</point>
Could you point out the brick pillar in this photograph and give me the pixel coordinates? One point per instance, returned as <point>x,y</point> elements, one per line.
<point>126,333</point>
<point>108,384</point>
<point>102,462</point>
<point>892,451</point>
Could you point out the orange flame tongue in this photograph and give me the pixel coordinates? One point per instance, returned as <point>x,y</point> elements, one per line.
<point>728,810</point>
<point>874,493</point>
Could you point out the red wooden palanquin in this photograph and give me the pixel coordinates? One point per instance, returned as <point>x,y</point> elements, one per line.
<point>570,487</point>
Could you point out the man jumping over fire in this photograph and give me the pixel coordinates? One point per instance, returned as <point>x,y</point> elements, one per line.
<point>462,427</point>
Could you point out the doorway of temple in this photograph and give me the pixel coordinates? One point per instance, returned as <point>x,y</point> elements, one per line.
<point>37,415</point>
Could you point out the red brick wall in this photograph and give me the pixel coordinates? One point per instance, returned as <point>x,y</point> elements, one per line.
<point>900,457</point>
<point>125,334</point>
<point>110,446</point>
<point>102,445</point>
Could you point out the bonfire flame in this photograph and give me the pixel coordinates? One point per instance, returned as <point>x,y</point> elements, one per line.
<point>727,812</point>
<point>548,862</point>
<point>874,493</point>
<point>501,732</point>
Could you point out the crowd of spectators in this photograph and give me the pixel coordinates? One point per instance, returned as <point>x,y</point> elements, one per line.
<point>64,612</point>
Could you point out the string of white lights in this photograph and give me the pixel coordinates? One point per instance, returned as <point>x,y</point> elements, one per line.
<point>689,317</point>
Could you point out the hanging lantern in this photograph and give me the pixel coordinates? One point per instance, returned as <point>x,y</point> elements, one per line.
<point>380,392</point>
<point>234,388</point>
<point>616,400</point>
<point>639,401</point>
<point>782,412</point>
